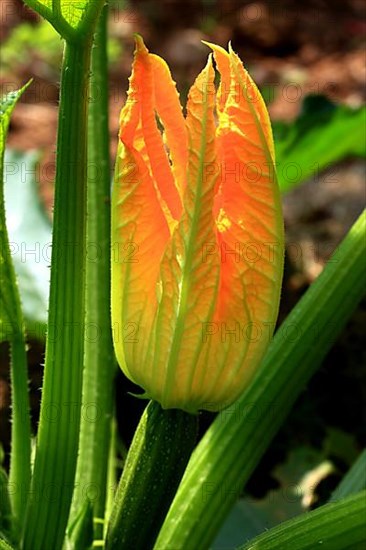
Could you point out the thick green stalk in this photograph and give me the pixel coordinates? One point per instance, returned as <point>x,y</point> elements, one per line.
<point>335,526</point>
<point>235,442</point>
<point>99,367</point>
<point>160,450</point>
<point>58,433</point>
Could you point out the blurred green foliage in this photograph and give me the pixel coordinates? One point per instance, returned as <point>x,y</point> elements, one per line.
<point>324,133</point>
<point>38,48</point>
<point>30,43</point>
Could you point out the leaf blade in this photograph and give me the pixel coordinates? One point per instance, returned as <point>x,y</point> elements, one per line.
<point>337,526</point>
<point>323,134</point>
<point>12,330</point>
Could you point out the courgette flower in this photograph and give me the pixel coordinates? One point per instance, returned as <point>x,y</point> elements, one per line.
<point>197,234</point>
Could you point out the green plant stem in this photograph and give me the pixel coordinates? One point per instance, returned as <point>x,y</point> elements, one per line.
<point>354,480</point>
<point>54,16</point>
<point>335,526</point>
<point>61,14</point>
<point>20,467</point>
<point>99,365</point>
<point>112,476</point>
<point>160,450</point>
<point>58,433</point>
<point>7,527</point>
<point>233,445</point>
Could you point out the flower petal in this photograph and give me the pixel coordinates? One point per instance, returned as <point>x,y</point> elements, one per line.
<point>159,162</point>
<point>248,214</point>
<point>140,233</point>
<point>189,286</point>
<point>169,110</point>
<point>223,65</point>
<point>204,291</point>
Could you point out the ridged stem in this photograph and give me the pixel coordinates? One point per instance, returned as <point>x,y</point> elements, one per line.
<point>99,365</point>
<point>155,463</point>
<point>58,432</point>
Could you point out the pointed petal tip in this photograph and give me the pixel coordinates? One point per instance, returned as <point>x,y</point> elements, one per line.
<point>209,44</point>
<point>233,53</point>
<point>209,64</point>
<point>139,43</point>
<point>230,47</point>
<point>214,47</point>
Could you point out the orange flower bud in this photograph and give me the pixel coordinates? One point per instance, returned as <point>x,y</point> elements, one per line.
<point>197,234</point>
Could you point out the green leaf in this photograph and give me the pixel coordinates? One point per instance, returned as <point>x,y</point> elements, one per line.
<point>30,236</point>
<point>323,134</point>
<point>12,330</point>
<point>9,322</point>
<point>7,104</point>
<point>4,545</point>
<point>5,506</point>
<point>71,18</point>
<point>353,481</point>
<point>335,526</point>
